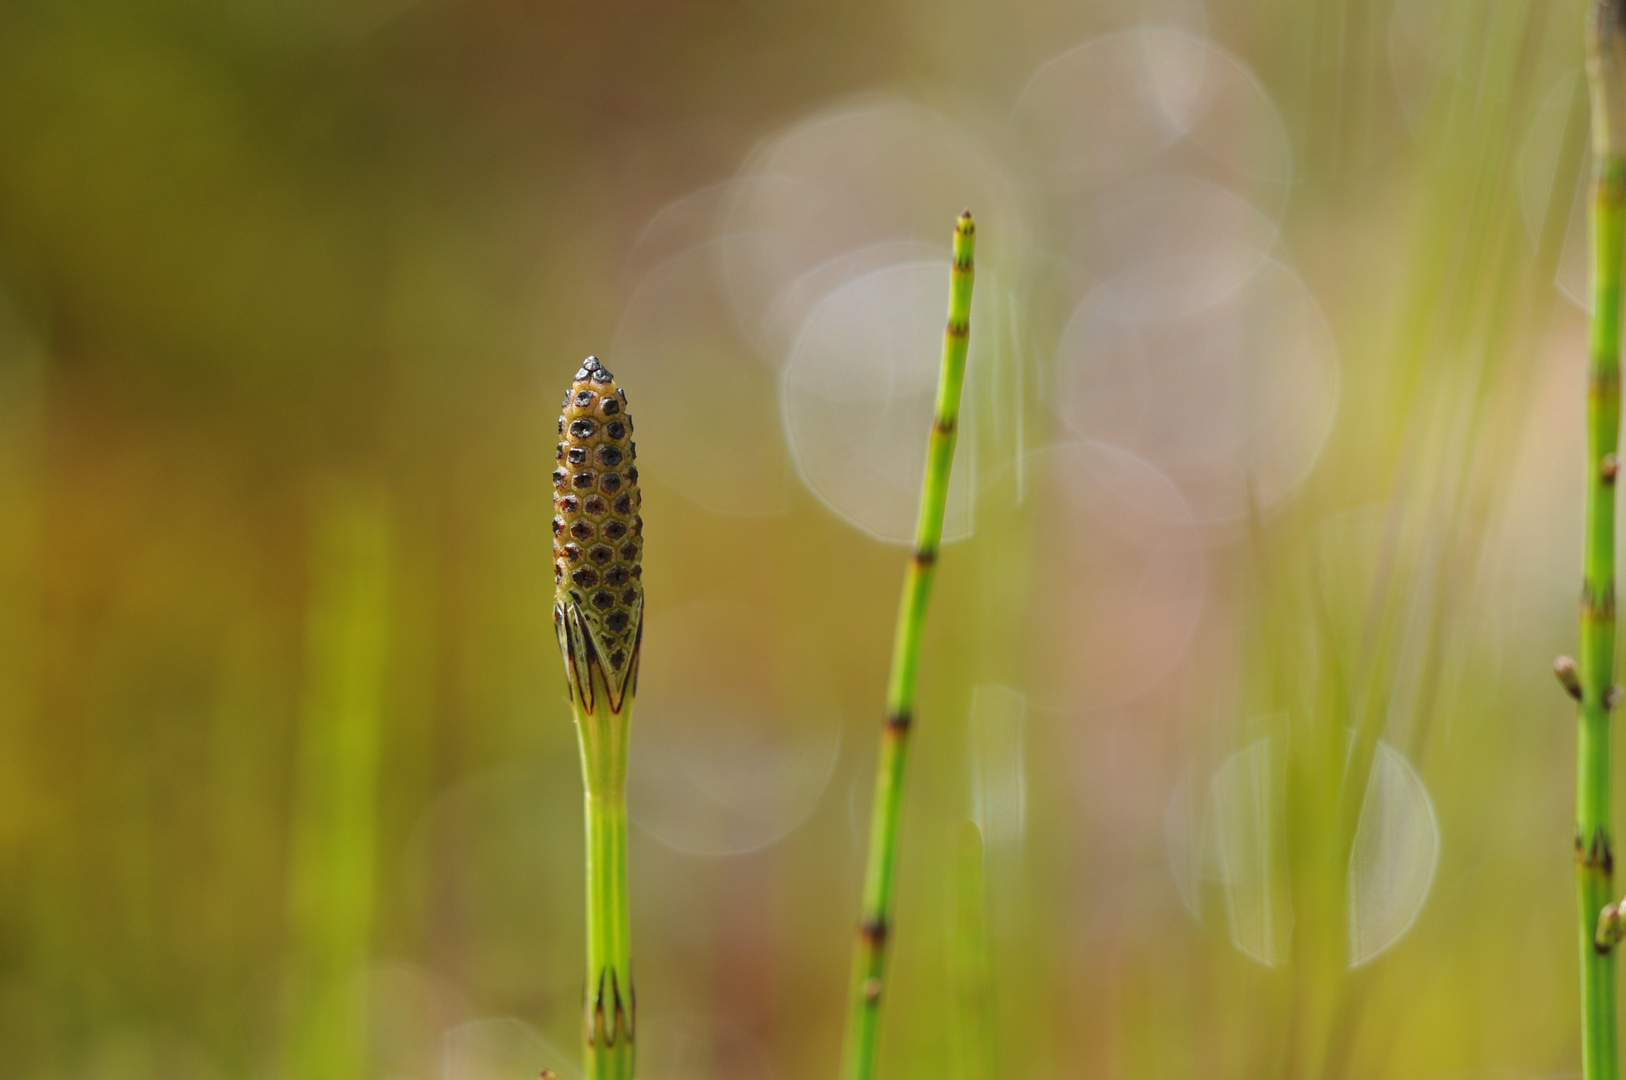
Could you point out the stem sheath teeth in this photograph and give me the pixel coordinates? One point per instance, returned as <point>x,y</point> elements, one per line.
<point>1597,855</point>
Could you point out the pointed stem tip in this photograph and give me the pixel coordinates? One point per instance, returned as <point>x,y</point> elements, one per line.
<point>965,241</point>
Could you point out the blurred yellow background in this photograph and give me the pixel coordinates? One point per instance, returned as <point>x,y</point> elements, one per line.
<point>1267,526</point>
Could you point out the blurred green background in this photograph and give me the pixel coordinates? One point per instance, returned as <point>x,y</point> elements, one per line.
<point>1238,753</point>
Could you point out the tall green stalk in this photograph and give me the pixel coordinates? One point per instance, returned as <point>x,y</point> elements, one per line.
<point>869,960</point>
<point>1595,677</point>
<point>598,613</point>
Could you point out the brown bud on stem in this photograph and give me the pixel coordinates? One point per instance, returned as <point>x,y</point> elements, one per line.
<point>1568,676</point>
<point>1610,929</point>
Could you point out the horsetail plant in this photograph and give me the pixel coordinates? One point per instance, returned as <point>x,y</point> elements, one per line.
<point>869,960</point>
<point>598,614</point>
<point>1591,681</point>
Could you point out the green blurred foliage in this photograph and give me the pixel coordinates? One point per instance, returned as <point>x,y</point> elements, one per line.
<point>287,780</point>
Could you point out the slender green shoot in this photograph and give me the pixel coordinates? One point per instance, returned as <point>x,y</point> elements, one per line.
<point>598,613</point>
<point>869,961</point>
<point>1594,676</point>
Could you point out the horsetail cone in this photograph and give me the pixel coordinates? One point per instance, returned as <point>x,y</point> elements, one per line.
<point>598,613</point>
<point>597,537</point>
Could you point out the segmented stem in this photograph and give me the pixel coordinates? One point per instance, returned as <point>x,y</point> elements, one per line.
<point>609,1008</point>
<point>869,962</point>
<point>1593,843</point>
<point>1596,668</point>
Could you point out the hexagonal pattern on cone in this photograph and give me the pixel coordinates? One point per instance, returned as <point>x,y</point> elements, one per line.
<point>597,537</point>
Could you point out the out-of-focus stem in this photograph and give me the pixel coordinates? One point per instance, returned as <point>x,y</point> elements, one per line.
<point>1606,71</point>
<point>331,872</point>
<point>869,960</point>
<point>969,962</point>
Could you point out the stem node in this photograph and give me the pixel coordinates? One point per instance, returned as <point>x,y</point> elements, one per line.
<point>1599,855</point>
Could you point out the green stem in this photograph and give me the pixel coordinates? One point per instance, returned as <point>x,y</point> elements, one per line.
<point>869,961</point>
<point>1606,69</point>
<point>1593,844</point>
<point>609,1008</point>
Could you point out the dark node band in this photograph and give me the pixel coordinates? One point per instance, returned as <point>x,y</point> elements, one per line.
<point>1598,855</point>
<point>1600,604</point>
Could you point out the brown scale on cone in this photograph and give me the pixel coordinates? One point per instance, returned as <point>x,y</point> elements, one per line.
<point>598,541</point>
